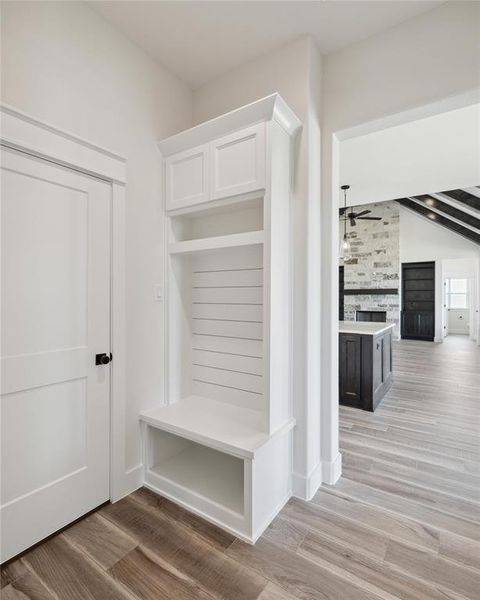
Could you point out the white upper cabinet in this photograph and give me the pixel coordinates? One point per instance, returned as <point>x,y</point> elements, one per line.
<point>232,165</point>
<point>187,178</point>
<point>237,163</point>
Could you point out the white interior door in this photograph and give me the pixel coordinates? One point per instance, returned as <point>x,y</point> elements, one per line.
<point>55,318</point>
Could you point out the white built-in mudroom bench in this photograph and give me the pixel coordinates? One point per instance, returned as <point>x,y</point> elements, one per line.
<point>221,444</point>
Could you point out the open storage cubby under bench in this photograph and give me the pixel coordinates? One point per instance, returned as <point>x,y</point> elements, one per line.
<point>215,476</point>
<point>221,444</point>
<point>208,456</point>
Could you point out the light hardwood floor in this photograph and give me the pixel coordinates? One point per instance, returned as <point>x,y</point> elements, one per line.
<point>403,522</point>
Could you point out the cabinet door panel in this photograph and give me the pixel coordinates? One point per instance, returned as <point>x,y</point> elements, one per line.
<point>187,178</point>
<point>377,364</point>
<point>409,324</point>
<point>426,325</point>
<point>350,369</point>
<point>238,163</point>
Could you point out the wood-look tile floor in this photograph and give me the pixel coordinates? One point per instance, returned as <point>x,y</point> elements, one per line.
<point>403,521</point>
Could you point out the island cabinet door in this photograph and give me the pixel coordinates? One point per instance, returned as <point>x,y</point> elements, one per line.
<point>350,372</point>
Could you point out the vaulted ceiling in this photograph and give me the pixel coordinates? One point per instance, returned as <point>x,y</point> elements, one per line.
<point>456,210</point>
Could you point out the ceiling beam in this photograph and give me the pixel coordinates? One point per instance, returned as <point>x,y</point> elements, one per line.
<point>440,219</point>
<point>464,197</point>
<point>449,211</point>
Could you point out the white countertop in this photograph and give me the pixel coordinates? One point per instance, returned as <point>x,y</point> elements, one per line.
<point>363,327</point>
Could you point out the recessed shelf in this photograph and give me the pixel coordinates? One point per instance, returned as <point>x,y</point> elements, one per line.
<point>207,473</point>
<point>218,425</point>
<point>234,240</point>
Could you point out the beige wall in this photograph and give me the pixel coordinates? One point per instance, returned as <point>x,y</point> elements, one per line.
<point>61,62</point>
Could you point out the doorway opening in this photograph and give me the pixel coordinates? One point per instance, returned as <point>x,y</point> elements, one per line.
<point>398,167</point>
<point>458,305</point>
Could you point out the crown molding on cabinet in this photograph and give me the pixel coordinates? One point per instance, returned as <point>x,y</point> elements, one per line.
<point>270,108</point>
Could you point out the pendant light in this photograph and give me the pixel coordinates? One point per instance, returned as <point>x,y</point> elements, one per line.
<point>345,242</point>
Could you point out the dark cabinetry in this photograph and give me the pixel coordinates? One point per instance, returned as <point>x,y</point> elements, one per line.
<point>365,368</point>
<point>350,369</point>
<point>418,301</point>
<point>341,293</point>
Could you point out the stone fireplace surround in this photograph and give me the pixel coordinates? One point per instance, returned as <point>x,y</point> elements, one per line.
<point>373,263</point>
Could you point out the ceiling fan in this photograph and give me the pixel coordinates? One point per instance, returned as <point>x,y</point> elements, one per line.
<point>352,216</point>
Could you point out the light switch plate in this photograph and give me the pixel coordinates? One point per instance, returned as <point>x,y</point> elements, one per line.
<point>158,292</point>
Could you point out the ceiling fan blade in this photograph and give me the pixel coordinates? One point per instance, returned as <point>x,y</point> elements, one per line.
<point>343,211</point>
<point>364,212</point>
<point>370,218</point>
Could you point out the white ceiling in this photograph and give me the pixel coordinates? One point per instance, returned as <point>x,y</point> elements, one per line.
<point>200,40</point>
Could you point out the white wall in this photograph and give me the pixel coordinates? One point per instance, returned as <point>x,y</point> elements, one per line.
<point>61,62</point>
<point>423,240</point>
<point>428,155</point>
<point>422,60</point>
<point>295,72</point>
<point>406,69</point>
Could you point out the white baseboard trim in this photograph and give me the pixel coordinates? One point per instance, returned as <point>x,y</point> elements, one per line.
<point>331,471</point>
<point>438,340</point>
<point>305,487</point>
<point>131,481</point>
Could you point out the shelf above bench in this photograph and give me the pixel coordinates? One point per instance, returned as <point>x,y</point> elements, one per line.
<point>233,240</point>
<point>224,427</point>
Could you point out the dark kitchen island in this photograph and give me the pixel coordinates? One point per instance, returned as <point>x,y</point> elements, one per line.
<point>365,363</point>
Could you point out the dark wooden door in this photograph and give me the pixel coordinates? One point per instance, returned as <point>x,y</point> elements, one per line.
<point>350,372</point>
<point>341,293</point>
<point>418,301</point>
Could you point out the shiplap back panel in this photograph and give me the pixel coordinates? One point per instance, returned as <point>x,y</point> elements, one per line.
<point>227,326</point>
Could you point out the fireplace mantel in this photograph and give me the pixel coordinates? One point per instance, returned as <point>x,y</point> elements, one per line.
<point>371,292</point>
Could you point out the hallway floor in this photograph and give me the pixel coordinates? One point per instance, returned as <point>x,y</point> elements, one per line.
<point>403,521</point>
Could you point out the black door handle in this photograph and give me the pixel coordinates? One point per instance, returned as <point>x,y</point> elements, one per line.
<point>103,358</point>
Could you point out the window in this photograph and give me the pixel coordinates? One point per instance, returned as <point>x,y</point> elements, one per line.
<point>457,293</point>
